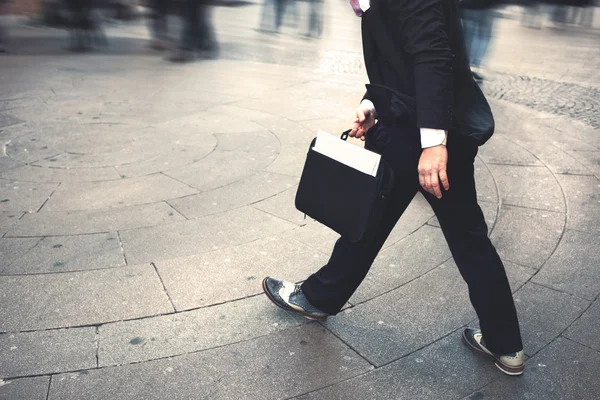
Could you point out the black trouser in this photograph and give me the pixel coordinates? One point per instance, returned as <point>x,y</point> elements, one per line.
<point>462,223</point>
<point>160,11</point>
<point>197,32</point>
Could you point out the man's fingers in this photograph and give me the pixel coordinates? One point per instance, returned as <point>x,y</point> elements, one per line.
<point>444,179</point>
<point>435,185</point>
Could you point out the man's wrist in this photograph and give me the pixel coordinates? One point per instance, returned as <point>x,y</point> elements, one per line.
<point>367,105</point>
<point>433,137</point>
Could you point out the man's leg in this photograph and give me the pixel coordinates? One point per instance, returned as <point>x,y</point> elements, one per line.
<point>330,288</point>
<point>464,227</point>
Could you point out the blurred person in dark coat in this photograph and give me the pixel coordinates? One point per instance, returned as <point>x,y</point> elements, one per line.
<point>85,30</point>
<point>197,35</point>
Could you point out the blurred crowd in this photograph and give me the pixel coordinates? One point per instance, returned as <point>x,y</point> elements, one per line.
<point>478,21</point>
<point>193,34</point>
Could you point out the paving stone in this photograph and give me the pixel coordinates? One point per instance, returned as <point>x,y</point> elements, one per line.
<point>103,160</point>
<point>232,228</point>
<point>290,160</point>
<point>501,150</point>
<point>187,332</point>
<point>583,202</point>
<point>590,159</point>
<point>584,330</point>
<point>315,235</point>
<point>242,193</point>
<point>47,352</point>
<point>416,215</point>
<point>334,126</point>
<point>30,173</point>
<point>57,223</point>
<point>33,147</point>
<point>518,275</point>
<point>573,267</point>
<point>236,272</point>
<point>69,253</point>
<point>218,123</point>
<point>7,220</point>
<point>14,248</point>
<point>290,132</point>
<point>24,196</point>
<point>532,187</point>
<point>8,120</point>
<point>25,388</point>
<point>33,302</point>
<point>442,370</point>
<point>554,158</point>
<point>252,142</point>
<point>209,173</point>
<point>112,194</point>
<point>255,369</point>
<point>402,262</point>
<point>283,205</point>
<point>406,319</point>
<point>281,107</point>
<point>577,130</point>
<point>563,370</point>
<point>544,314</point>
<point>525,236</point>
<point>484,181</point>
<point>7,163</point>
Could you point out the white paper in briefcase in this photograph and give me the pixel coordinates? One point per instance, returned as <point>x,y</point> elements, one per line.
<point>353,156</point>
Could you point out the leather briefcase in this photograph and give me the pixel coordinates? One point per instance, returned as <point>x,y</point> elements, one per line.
<point>341,197</point>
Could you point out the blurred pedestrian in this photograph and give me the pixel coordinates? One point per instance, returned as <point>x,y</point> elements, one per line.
<point>159,24</point>
<point>531,17</point>
<point>3,27</point>
<point>276,9</point>
<point>478,21</point>
<point>85,30</point>
<point>197,35</point>
<point>315,18</point>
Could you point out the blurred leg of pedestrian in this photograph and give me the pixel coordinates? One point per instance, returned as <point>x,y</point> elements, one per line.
<point>478,28</point>
<point>197,33</point>
<point>3,28</point>
<point>531,17</point>
<point>280,6</point>
<point>315,18</point>
<point>77,25</point>
<point>159,26</point>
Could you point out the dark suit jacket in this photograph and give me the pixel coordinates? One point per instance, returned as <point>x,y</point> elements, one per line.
<point>415,48</point>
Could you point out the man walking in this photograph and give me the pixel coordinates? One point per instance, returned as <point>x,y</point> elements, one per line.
<point>431,116</point>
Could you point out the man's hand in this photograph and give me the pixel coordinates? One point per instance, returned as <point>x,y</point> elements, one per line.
<point>363,122</point>
<point>432,170</point>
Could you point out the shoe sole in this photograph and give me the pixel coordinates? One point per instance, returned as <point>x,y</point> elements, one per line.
<point>287,308</point>
<point>507,369</point>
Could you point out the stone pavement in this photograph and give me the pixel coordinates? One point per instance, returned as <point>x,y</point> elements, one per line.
<point>142,202</point>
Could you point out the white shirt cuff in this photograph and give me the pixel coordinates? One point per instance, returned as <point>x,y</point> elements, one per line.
<point>368,105</point>
<point>432,137</point>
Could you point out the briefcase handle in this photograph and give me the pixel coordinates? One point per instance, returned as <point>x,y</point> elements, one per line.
<point>345,134</point>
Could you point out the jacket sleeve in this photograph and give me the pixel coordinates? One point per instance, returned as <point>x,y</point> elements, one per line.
<point>420,30</point>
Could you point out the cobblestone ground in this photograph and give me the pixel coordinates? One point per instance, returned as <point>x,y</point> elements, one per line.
<point>141,203</point>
